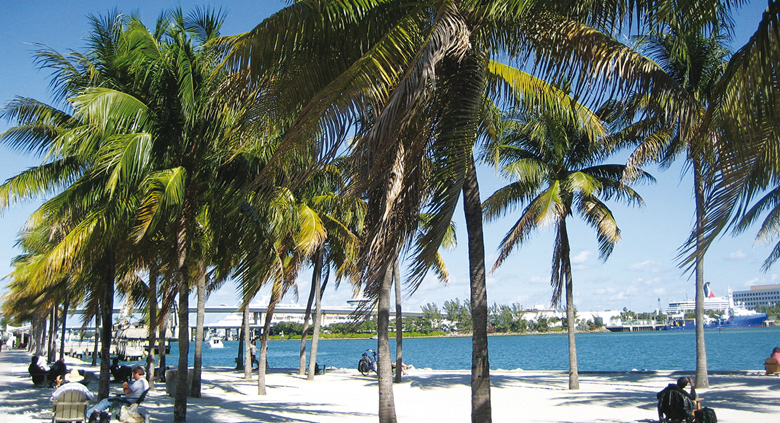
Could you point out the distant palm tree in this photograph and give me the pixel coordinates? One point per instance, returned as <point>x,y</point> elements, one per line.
<point>556,171</point>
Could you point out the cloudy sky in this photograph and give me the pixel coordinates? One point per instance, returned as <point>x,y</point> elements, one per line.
<point>642,269</point>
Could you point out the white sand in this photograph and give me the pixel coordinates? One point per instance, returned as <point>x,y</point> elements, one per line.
<point>425,396</point>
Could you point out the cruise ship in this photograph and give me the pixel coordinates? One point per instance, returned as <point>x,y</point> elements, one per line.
<point>736,315</point>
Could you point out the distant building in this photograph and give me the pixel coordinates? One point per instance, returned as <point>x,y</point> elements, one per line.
<point>764,295</point>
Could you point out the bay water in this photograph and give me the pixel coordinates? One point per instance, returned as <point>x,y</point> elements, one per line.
<point>728,349</point>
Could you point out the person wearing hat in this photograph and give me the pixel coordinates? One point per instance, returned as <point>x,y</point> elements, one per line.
<point>71,384</point>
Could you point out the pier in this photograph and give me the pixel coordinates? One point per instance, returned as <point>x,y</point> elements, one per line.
<point>635,326</point>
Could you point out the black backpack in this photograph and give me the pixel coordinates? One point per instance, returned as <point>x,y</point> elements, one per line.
<point>675,404</point>
<point>705,415</point>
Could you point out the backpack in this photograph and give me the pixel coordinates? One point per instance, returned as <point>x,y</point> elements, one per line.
<point>675,404</point>
<point>705,415</point>
<point>364,366</point>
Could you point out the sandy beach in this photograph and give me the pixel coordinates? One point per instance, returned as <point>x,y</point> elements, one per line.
<point>343,395</point>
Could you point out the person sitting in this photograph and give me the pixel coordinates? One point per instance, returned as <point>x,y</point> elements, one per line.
<point>119,372</point>
<point>133,392</point>
<point>39,375</point>
<point>772,364</point>
<point>71,384</point>
<point>404,365</point>
<point>776,354</point>
<point>58,369</point>
<point>676,405</point>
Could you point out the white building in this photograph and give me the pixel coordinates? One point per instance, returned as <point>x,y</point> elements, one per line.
<point>764,295</point>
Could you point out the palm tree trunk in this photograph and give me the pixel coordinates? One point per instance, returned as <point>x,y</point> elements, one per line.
<point>51,353</point>
<point>182,379</point>
<point>163,341</point>
<point>263,350</point>
<point>64,328</point>
<point>152,327</point>
<point>97,337</point>
<point>702,379</point>
<point>571,327</point>
<point>386,399</point>
<point>316,279</point>
<point>197,365</point>
<point>182,277</point>
<point>106,312</point>
<point>305,331</point>
<point>399,335</point>
<point>246,339</point>
<point>480,367</point>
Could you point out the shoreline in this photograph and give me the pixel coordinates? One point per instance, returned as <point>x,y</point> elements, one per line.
<point>425,395</point>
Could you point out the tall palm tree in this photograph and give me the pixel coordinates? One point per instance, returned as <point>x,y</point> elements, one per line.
<point>415,85</point>
<point>556,171</point>
<point>741,118</point>
<point>694,62</point>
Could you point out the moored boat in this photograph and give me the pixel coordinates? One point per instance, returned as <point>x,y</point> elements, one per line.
<point>216,343</point>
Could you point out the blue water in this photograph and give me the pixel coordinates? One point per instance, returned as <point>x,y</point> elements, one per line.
<point>730,349</point>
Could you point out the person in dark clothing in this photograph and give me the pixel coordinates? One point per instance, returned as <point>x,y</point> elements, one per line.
<point>675,403</point>
<point>39,374</point>
<point>58,369</point>
<point>121,373</point>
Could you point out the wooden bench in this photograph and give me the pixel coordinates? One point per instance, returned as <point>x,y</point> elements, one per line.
<point>772,367</point>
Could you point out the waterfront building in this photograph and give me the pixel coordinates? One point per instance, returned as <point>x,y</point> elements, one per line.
<point>759,295</point>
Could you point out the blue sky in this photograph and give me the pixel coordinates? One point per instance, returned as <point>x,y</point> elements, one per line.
<point>641,269</point>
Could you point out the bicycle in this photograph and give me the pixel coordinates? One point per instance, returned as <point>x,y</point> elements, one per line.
<point>368,363</point>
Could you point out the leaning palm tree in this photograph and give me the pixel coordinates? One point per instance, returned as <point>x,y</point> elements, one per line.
<point>556,171</point>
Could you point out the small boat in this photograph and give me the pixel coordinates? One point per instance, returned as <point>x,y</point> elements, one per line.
<point>216,343</point>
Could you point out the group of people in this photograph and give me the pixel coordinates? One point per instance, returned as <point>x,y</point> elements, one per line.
<point>41,373</point>
<point>71,381</point>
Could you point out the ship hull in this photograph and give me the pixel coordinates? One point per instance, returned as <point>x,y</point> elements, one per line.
<point>752,321</point>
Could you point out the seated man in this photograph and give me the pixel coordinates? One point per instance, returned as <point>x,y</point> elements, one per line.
<point>132,392</point>
<point>71,384</point>
<point>40,376</point>
<point>676,405</point>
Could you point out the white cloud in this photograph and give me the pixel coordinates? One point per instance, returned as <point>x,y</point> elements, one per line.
<point>581,257</point>
<point>646,266</point>
<point>738,255</point>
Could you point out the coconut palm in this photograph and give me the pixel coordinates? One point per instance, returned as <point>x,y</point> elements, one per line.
<point>694,62</point>
<point>416,85</point>
<point>556,171</point>
<point>740,117</point>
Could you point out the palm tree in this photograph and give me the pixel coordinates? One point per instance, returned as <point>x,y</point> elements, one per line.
<point>555,170</point>
<point>694,62</point>
<point>416,86</point>
<point>737,118</point>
